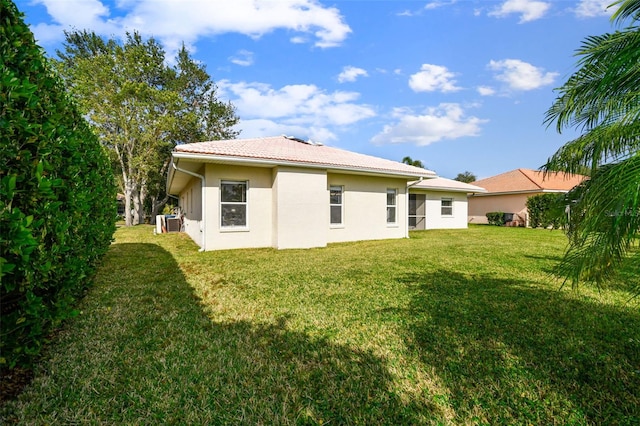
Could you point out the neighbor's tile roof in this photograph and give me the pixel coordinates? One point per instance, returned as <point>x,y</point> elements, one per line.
<point>520,180</point>
<point>286,150</point>
<point>443,184</point>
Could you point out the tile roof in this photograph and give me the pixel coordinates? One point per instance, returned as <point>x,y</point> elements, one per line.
<point>290,151</point>
<point>527,180</point>
<point>442,184</point>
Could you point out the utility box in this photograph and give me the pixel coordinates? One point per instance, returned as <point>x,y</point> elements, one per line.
<point>173,224</point>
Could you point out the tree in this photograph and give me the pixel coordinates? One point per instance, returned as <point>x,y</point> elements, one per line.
<point>602,98</point>
<point>466,177</point>
<point>412,162</point>
<point>141,108</point>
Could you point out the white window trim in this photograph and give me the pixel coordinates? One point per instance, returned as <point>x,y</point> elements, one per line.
<point>243,228</point>
<point>451,207</point>
<point>341,224</point>
<point>395,206</point>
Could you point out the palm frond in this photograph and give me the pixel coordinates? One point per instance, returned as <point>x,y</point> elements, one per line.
<point>605,221</point>
<point>607,86</point>
<point>612,142</point>
<point>628,9</point>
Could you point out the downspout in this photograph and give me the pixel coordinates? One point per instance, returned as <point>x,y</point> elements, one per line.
<point>204,222</point>
<point>406,222</point>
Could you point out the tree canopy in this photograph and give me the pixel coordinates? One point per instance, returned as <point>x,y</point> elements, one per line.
<point>140,107</point>
<point>466,177</point>
<point>602,100</point>
<point>410,161</point>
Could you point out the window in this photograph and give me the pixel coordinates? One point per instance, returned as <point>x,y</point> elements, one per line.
<point>446,207</point>
<point>391,205</point>
<point>233,204</point>
<point>335,204</point>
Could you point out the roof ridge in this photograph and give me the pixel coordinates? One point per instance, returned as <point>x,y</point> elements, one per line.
<point>522,170</point>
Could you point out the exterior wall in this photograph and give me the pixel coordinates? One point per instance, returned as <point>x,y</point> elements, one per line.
<point>258,233</point>
<point>480,205</point>
<point>433,204</point>
<point>300,208</point>
<point>365,208</point>
<point>288,207</point>
<point>191,206</point>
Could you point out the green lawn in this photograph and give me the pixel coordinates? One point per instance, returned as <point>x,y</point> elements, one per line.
<point>448,327</point>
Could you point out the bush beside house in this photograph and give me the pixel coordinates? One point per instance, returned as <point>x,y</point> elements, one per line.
<point>545,210</point>
<point>495,218</point>
<point>57,196</point>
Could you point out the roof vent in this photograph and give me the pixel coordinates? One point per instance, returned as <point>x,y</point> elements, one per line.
<point>293,138</point>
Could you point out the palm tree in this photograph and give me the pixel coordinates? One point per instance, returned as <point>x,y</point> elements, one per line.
<point>410,161</point>
<point>602,100</point>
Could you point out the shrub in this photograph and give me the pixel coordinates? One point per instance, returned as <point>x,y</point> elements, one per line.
<point>495,218</point>
<point>57,196</point>
<point>545,210</point>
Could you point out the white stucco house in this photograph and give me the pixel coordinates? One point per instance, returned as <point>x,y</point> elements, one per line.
<point>284,192</point>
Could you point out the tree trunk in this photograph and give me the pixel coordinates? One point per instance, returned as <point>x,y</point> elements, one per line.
<point>128,192</point>
<point>155,207</point>
<point>137,207</point>
<point>144,193</point>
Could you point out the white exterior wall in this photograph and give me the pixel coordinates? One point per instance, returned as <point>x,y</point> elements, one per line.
<point>433,203</point>
<point>258,232</point>
<point>458,220</point>
<point>300,208</point>
<point>365,208</point>
<point>191,206</point>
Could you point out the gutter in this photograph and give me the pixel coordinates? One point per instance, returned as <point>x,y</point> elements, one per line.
<point>203,226</point>
<point>406,222</point>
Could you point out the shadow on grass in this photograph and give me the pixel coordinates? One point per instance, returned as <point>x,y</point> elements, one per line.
<point>513,354</point>
<point>143,351</point>
<point>625,279</point>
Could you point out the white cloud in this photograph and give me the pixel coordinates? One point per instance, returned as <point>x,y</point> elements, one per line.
<point>439,3</point>
<point>351,74</point>
<point>593,8</point>
<point>299,106</point>
<point>244,58</point>
<point>520,75</point>
<point>255,128</point>
<point>433,78</point>
<point>177,21</point>
<point>446,121</point>
<point>486,90</point>
<point>75,14</point>
<point>529,10</point>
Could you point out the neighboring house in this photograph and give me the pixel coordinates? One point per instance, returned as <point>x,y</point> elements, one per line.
<point>439,203</point>
<point>508,192</point>
<point>287,193</point>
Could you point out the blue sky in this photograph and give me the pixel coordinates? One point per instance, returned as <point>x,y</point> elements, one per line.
<point>460,85</point>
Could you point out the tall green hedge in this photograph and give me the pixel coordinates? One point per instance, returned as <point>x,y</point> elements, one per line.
<point>546,210</point>
<point>57,196</point>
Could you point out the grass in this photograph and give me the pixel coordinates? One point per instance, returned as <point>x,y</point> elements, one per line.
<point>448,327</point>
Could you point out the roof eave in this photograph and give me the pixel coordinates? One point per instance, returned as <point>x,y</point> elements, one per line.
<point>528,191</point>
<point>212,158</point>
<point>450,189</point>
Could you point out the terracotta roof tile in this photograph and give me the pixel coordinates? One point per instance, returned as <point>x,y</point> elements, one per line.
<point>520,180</point>
<point>282,149</point>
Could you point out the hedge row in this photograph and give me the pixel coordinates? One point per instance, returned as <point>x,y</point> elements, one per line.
<point>57,196</point>
<point>546,210</point>
<point>495,218</point>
